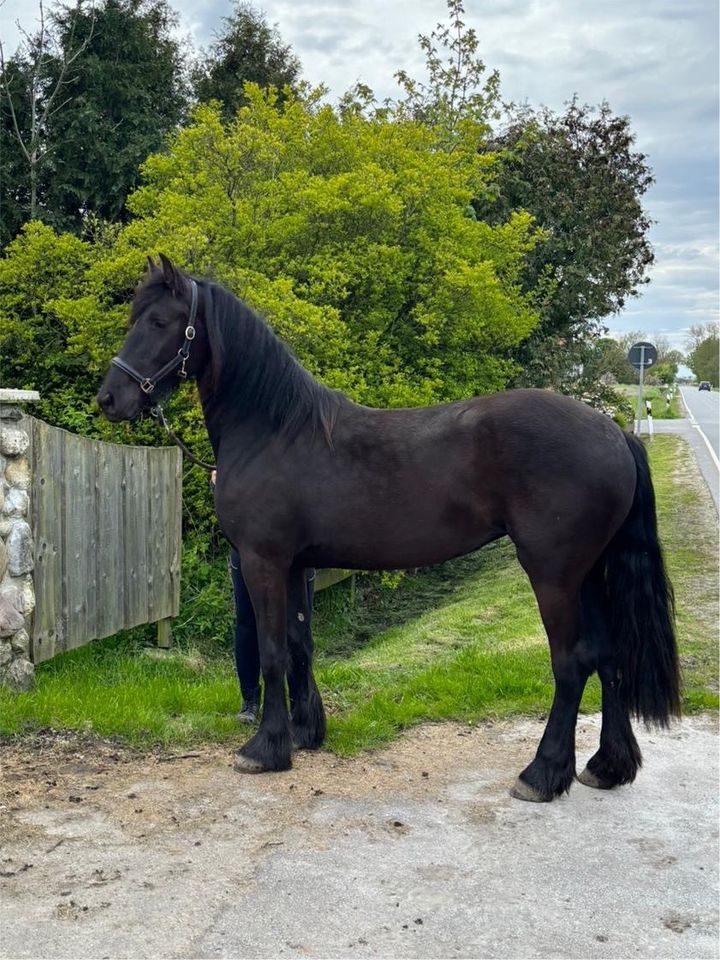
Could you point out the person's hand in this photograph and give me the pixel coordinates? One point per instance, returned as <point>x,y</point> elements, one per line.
<point>213,477</point>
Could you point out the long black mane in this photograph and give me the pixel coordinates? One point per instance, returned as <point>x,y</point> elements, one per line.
<point>255,373</point>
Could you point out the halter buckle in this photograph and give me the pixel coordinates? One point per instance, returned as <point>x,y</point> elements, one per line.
<point>147,386</point>
<point>190,332</point>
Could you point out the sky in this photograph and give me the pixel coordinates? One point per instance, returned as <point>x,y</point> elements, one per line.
<point>653,60</point>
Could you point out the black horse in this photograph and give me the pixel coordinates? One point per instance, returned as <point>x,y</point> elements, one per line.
<point>306,478</point>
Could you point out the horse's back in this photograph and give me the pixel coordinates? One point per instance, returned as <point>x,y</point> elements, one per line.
<point>416,486</point>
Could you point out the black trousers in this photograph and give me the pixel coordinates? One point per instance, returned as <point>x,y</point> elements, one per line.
<point>247,652</point>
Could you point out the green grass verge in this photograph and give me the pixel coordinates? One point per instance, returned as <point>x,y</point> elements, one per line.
<point>459,642</point>
<point>660,408</point>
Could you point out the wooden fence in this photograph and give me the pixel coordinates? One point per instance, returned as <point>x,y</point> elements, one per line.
<point>106,522</point>
<point>103,527</point>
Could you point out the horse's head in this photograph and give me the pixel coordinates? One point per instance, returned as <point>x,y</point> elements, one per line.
<point>162,346</point>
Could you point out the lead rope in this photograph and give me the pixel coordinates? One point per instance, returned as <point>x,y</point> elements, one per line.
<point>159,414</point>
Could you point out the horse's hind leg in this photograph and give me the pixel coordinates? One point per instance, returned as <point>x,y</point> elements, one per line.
<point>307,715</point>
<point>618,759</point>
<point>553,770</point>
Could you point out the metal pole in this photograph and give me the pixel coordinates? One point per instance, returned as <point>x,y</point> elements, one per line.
<point>638,412</point>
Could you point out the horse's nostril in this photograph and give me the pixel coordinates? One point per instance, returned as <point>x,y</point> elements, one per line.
<point>105,400</point>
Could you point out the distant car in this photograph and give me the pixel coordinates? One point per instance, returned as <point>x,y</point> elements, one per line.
<point>704,385</point>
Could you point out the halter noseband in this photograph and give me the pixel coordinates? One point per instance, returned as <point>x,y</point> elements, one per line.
<point>148,384</point>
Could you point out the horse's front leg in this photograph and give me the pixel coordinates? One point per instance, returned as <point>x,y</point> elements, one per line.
<point>270,748</point>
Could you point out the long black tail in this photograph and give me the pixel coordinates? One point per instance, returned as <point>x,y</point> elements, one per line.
<point>642,607</point>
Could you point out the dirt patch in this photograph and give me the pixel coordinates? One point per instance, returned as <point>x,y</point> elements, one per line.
<point>52,769</point>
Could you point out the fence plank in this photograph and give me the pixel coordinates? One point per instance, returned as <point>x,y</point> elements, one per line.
<point>166,534</point>
<point>160,541</point>
<point>48,634</point>
<point>175,527</point>
<point>109,556</point>
<point>135,533</point>
<point>329,577</point>
<point>80,540</point>
<point>153,537</point>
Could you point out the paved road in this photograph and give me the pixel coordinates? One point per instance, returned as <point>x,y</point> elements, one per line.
<point>701,432</point>
<point>704,405</point>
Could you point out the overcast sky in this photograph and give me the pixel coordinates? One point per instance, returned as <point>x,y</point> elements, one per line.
<point>655,60</point>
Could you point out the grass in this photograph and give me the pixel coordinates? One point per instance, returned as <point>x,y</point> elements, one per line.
<point>660,408</point>
<point>688,525</point>
<point>462,641</point>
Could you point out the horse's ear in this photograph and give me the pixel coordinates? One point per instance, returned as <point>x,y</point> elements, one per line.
<point>151,265</point>
<point>173,277</point>
<point>168,270</point>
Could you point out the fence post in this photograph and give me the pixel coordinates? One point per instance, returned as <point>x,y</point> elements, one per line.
<point>164,633</point>
<point>17,592</point>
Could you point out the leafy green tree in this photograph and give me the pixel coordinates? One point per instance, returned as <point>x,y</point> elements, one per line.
<point>457,89</point>
<point>607,359</point>
<point>129,93</point>
<point>248,50</point>
<point>704,361</point>
<point>666,372</point>
<point>579,175</point>
<point>39,270</point>
<point>350,234</point>
<point>362,219</point>
<point>668,361</point>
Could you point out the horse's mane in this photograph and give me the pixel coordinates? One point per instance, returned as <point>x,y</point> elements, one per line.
<point>255,372</point>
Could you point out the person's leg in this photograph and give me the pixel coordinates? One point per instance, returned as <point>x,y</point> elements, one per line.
<point>307,715</point>
<point>247,655</point>
<point>310,580</point>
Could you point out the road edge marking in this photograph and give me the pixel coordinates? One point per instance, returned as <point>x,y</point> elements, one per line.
<point>696,425</point>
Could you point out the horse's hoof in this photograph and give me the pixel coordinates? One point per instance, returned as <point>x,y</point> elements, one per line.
<point>523,791</point>
<point>243,764</point>
<point>591,779</point>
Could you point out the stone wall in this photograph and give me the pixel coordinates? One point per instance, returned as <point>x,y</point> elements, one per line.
<point>17,596</point>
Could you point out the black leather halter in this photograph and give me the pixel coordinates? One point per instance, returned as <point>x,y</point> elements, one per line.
<point>148,384</point>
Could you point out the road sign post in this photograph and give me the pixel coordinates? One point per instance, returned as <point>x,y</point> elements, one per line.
<point>641,355</point>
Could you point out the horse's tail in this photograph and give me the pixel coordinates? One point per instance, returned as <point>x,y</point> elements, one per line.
<point>642,607</point>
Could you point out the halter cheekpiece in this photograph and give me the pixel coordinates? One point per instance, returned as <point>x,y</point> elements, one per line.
<point>148,384</point>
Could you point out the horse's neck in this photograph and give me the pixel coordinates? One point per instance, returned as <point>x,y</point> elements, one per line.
<point>224,429</point>
<point>211,412</point>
